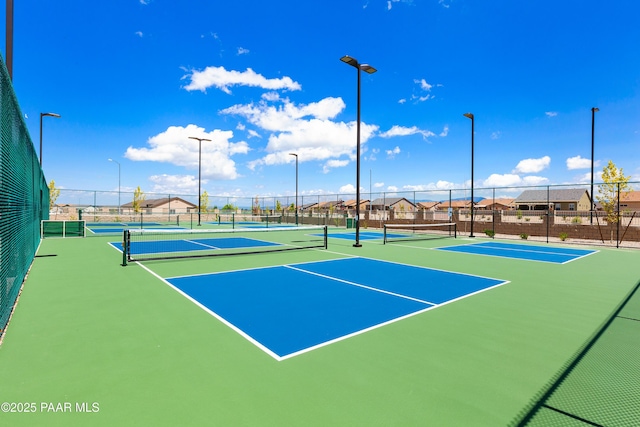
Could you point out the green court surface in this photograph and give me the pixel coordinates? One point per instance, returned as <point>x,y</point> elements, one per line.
<point>121,347</point>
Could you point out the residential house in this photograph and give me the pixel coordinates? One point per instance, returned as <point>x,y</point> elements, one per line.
<point>351,204</point>
<point>428,206</point>
<point>454,205</point>
<point>630,201</point>
<point>568,199</point>
<point>165,205</point>
<point>397,204</point>
<point>498,204</point>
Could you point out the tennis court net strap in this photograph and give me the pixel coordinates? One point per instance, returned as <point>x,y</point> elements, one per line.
<point>403,232</point>
<point>148,244</point>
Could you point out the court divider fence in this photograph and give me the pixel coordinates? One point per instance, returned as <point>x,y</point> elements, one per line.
<point>24,199</point>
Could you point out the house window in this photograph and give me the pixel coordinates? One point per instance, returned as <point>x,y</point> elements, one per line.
<point>558,206</point>
<point>572,206</point>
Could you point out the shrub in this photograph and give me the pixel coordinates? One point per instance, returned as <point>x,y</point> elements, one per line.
<point>519,214</point>
<point>563,236</point>
<point>490,233</point>
<point>576,220</point>
<point>524,236</point>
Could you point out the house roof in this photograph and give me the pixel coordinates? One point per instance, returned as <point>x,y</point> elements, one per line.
<point>542,196</point>
<point>154,203</point>
<point>428,205</point>
<point>352,202</point>
<point>504,202</point>
<point>631,196</point>
<point>389,201</point>
<point>455,204</point>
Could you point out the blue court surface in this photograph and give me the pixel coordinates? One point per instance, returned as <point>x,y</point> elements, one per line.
<point>291,309</point>
<point>191,245</point>
<point>549,254</point>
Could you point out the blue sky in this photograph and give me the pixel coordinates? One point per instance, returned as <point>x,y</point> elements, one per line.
<point>133,79</point>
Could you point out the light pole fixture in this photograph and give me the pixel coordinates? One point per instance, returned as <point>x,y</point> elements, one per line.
<point>296,206</point>
<point>594,110</point>
<point>115,161</point>
<point>470,116</point>
<point>199,169</point>
<point>41,116</point>
<point>367,69</point>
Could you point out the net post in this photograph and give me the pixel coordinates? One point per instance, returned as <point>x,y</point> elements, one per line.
<point>125,247</point>
<point>326,238</point>
<point>384,234</point>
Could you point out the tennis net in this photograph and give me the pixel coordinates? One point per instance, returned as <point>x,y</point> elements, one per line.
<point>403,232</point>
<point>151,244</point>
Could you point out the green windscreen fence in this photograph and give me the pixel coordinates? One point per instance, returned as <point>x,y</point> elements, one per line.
<point>24,198</point>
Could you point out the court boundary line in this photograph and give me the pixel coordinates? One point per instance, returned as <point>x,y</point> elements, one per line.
<point>215,315</point>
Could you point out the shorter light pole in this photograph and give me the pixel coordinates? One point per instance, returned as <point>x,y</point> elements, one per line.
<point>296,206</point>
<point>41,116</point>
<point>470,116</point>
<point>199,169</point>
<point>115,161</point>
<point>594,110</point>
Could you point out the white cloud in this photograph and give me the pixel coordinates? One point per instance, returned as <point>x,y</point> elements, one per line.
<point>139,34</point>
<point>332,164</point>
<point>174,146</point>
<point>505,180</point>
<point>392,188</point>
<point>423,84</point>
<point>495,135</point>
<point>405,131</point>
<point>402,101</point>
<point>242,51</point>
<point>532,165</point>
<point>392,153</point>
<point>378,185</point>
<point>186,184</point>
<point>309,130</point>
<point>534,180</point>
<point>551,113</point>
<point>222,79</point>
<point>445,131</point>
<point>578,162</point>
<point>347,189</point>
<point>253,134</point>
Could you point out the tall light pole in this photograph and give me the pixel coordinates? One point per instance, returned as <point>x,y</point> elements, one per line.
<point>368,69</point>
<point>41,116</point>
<point>199,169</point>
<point>115,161</point>
<point>470,116</point>
<point>294,154</point>
<point>594,110</point>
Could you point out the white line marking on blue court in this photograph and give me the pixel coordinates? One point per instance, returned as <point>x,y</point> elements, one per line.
<point>359,285</point>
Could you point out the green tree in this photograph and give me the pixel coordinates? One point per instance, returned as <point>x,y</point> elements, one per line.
<point>292,207</point>
<point>54,192</point>
<point>204,201</point>
<point>138,198</point>
<point>278,206</point>
<point>615,185</point>
<point>229,207</point>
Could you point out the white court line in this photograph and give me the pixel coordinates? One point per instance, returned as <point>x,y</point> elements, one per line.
<point>359,285</point>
